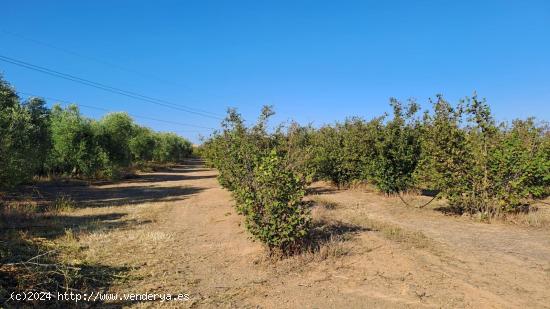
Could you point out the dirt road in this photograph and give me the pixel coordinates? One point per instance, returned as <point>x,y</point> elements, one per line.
<point>178,233</point>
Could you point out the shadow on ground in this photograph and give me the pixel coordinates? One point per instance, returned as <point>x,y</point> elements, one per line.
<point>320,190</point>
<point>39,252</point>
<point>99,196</point>
<point>34,244</point>
<point>117,196</point>
<point>159,177</point>
<point>326,231</point>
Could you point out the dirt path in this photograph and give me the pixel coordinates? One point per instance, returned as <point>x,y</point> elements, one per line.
<point>188,239</point>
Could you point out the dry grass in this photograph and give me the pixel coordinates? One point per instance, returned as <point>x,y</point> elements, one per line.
<point>62,203</point>
<point>538,217</point>
<point>323,202</point>
<point>389,231</point>
<point>40,250</point>
<point>395,233</point>
<point>329,240</point>
<point>330,252</point>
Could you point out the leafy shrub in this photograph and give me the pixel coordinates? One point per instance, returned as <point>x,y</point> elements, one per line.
<point>483,167</point>
<point>277,215</point>
<point>397,150</point>
<point>254,165</point>
<point>346,152</point>
<point>518,166</point>
<point>236,151</point>
<point>40,134</point>
<point>296,142</point>
<point>460,152</point>
<point>446,157</point>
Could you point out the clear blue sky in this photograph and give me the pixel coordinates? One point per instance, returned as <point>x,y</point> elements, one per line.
<point>315,61</point>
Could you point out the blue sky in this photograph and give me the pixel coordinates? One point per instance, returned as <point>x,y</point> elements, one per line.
<point>315,61</point>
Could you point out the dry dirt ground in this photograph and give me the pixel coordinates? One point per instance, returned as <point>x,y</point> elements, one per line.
<point>176,231</point>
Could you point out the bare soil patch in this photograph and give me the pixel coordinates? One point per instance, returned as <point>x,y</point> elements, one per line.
<point>175,231</point>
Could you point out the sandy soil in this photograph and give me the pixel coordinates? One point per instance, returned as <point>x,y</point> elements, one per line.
<point>177,232</point>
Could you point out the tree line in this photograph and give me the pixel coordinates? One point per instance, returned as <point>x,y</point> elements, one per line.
<point>458,151</point>
<point>37,140</point>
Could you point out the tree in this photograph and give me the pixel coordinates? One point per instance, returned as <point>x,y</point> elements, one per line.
<point>40,135</point>
<point>142,144</point>
<point>170,147</point>
<point>17,139</point>
<point>114,132</point>
<point>75,147</point>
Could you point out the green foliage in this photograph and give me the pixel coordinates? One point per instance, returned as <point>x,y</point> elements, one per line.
<point>40,135</point>
<point>76,149</point>
<point>346,152</point>
<point>255,166</point>
<point>170,147</point>
<point>460,152</point>
<point>329,158</point>
<point>277,216</point>
<point>35,140</point>
<point>518,167</point>
<point>446,158</point>
<point>296,142</point>
<point>114,132</point>
<point>483,167</point>
<point>397,150</point>
<point>142,144</point>
<point>477,164</point>
<point>18,138</point>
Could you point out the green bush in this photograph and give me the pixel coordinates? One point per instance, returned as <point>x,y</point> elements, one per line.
<point>254,165</point>
<point>40,134</point>
<point>277,216</point>
<point>397,150</point>
<point>460,152</point>
<point>296,142</point>
<point>346,152</point>
<point>446,157</point>
<point>518,166</point>
<point>482,167</point>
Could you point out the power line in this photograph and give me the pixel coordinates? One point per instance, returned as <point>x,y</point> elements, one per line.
<point>70,52</point>
<point>94,59</point>
<point>107,87</point>
<point>107,110</point>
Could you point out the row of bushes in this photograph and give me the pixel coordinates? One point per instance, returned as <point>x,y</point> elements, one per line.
<point>36,140</point>
<point>457,150</point>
